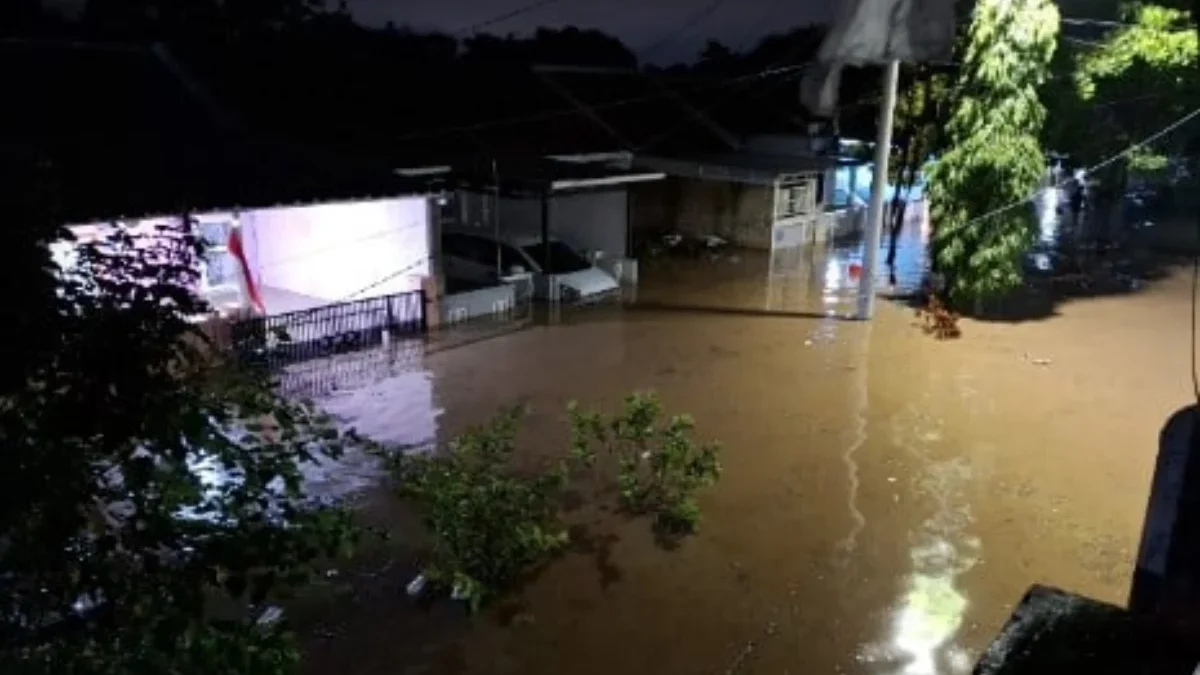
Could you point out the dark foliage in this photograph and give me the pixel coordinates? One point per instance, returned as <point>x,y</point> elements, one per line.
<point>150,492</point>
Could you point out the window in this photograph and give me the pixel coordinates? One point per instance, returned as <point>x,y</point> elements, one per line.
<point>562,260</point>
<point>795,200</point>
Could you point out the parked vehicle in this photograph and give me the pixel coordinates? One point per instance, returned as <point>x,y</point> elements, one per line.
<point>557,270</point>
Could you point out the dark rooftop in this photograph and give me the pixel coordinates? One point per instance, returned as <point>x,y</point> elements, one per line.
<point>563,110</point>
<point>540,174</point>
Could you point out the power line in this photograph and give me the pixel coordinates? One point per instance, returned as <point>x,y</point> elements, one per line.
<point>383,280</point>
<point>566,112</point>
<point>325,249</point>
<point>691,22</point>
<point>789,55</point>
<point>749,39</point>
<point>1107,23</point>
<point>500,18</point>
<point>1095,167</point>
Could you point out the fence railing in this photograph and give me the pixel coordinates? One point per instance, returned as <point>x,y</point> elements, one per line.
<point>317,378</point>
<point>278,340</point>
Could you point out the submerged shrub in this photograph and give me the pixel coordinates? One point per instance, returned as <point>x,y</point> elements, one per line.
<point>489,524</point>
<point>661,468</point>
<point>492,524</point>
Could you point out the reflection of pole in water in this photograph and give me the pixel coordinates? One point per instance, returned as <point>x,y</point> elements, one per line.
<point>770,278</point>
<point>860,336</point>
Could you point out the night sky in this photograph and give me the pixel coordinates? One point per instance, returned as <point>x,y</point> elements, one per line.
<point>640,23</point>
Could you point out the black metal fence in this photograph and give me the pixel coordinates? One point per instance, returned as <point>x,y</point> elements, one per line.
<point>317,378</point>
<point>276,341</point>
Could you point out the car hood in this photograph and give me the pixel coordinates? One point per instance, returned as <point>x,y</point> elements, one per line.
<point>588,282</point>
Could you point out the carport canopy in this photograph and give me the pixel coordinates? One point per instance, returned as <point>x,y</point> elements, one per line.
<point>752,168</point>
<point>536,175</point>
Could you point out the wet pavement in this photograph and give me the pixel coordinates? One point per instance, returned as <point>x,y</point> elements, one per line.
<point>887,498</point>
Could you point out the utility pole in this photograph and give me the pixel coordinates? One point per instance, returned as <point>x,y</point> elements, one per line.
<point>879,182</point>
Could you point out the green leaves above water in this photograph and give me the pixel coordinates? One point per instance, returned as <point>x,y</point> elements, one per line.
<point>493,524</point>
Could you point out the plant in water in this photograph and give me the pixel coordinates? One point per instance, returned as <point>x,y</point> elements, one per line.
<point>939,320</point>
<point>661,468</point>
<point>490,524</point>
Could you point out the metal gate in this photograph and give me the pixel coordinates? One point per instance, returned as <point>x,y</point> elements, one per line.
<point>281,339</point>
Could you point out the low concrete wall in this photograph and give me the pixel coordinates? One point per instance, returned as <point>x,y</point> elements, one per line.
<point>473,304</point>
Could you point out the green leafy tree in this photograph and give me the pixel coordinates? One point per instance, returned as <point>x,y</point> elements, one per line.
<point>1137,80</point>
<point>993,157</point>
<point>151,496</point>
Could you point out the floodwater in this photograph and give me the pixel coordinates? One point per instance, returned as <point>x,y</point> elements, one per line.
<point>887,498</point>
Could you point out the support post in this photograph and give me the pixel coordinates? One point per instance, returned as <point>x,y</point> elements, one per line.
<point>874,231</point>
<point>545,232</point>
<point>551,284</point>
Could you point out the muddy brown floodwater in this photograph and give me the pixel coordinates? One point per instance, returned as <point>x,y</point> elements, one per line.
<point>886,499</point>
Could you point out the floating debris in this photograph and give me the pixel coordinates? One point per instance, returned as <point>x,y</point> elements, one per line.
<point>269,616</point>
<point>416,586</point>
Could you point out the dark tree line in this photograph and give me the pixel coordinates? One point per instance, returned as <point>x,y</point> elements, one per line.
<point>303,69</point>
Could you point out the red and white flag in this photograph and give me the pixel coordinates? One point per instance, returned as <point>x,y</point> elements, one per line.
<point>875,32</point>
<point>249,287</point>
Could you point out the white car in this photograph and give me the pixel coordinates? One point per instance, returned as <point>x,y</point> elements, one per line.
<point>558,272</point>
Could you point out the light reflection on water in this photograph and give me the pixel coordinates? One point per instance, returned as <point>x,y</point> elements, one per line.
<point>927,616</point>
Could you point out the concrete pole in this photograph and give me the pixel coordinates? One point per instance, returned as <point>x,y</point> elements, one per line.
<point>874,233</point>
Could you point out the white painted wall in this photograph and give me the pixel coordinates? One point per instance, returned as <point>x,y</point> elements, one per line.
<point>330,251</point>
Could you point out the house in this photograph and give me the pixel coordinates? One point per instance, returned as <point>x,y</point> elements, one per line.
<point>302,239</point>
<point>642,156</point>
<point>755,189</point>
<point>583,205</point>
<point>726,175</point>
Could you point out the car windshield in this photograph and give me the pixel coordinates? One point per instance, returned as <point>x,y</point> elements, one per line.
<point>556,257</point>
